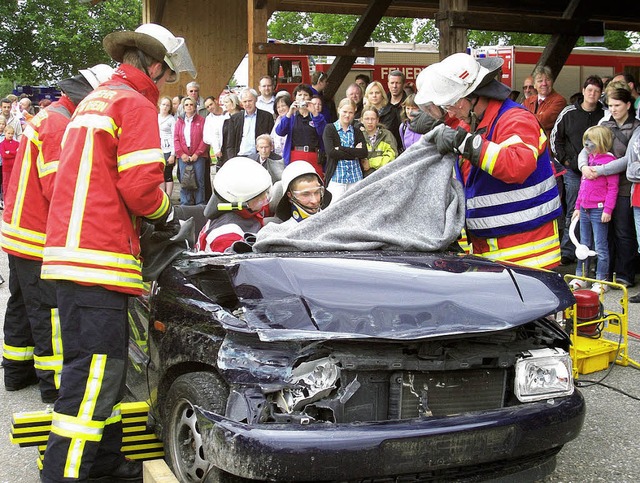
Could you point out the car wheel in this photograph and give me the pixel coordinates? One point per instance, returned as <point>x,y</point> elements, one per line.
<point>183,442</point>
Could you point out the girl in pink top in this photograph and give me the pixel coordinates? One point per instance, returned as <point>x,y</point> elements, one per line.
<point>595,203</point>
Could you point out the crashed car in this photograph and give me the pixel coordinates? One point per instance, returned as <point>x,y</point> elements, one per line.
<point>355,366</point>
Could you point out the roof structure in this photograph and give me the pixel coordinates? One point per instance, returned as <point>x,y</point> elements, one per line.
<point>219,33</point>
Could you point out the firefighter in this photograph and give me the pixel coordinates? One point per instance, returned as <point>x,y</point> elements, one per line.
<point>32,349</point>
<point>512,201</point>
<point>111,168</point>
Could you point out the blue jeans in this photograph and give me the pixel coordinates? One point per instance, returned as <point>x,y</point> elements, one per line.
<point>594,234</point>
<point>571,187</point>
<point>194,197</point>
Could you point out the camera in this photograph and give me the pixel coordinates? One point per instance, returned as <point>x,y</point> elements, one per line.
<point>302,104</point>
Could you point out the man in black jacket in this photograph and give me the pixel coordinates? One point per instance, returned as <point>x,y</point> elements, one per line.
<point>241,130</point>
<point>566,144</point>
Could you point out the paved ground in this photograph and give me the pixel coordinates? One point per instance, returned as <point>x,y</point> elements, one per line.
<point>606,450</point>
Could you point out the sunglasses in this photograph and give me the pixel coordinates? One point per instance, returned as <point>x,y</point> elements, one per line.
<point>527,87</point>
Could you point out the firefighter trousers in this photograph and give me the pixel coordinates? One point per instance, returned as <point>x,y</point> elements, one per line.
<point>32,344</point>
<point>86,428</point>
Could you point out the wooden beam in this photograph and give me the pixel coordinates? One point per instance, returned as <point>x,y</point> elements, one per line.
<point>359,36</point>
<point>159,13</point>
<point>557,51</point>
<point>452,38</point>
<point>312,49</point>
<point>257,17</point>
<point>533,24</point>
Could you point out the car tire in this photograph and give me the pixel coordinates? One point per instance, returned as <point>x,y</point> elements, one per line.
<point>182,441</point>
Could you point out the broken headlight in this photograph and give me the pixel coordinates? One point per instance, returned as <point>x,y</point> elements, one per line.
<point>543,374</point>
<point>309,382</point>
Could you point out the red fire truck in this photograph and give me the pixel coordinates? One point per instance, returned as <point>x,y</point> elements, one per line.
<point>412,58</point>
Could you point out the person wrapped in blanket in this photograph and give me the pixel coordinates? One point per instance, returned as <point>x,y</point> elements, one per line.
<point>512,200</point>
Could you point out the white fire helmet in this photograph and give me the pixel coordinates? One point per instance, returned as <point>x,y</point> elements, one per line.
<point>241,179</point>
<point>453,78</point>
<point>154,40</point>
<point>97,74</point>
<point>295,169</point>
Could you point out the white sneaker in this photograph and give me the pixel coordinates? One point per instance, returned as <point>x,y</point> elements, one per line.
<point>576,284</point>
<point>600,288</point>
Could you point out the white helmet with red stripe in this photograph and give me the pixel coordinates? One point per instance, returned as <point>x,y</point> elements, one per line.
<point>453,78</point>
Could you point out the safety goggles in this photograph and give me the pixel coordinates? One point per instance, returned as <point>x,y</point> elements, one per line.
<point>309,193</point>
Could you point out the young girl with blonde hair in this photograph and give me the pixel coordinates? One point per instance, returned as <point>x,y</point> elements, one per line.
<point>594,205</point>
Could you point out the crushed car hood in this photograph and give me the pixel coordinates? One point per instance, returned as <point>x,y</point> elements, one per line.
<point>387,295</point>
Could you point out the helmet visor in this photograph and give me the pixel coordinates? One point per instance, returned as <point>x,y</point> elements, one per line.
<point>179,59</point>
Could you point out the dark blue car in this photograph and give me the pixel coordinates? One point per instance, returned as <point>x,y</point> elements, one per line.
<point>368,366</point>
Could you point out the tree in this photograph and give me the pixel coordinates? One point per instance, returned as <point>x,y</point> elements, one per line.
<point>317,27</point>
<point>42,42</point>
<point>333,29</point>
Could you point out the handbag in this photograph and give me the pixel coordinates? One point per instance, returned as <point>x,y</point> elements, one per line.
<point>188,180</point>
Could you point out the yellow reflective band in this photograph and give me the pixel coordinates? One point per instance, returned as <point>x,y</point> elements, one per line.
<point>92,276</point>
<point>537,254</point>
<point>541,139</point>
<point>56,343</point>
<point>11,229</point>
<point>138,158</point>
<point>94,257</point>
<point>162,209</point>
<point>32,135</point>
<point>94,121</point>
<point>45,168</point>
<point>19,246</point>
<point>80,192</point>
<point>47,363</point>
<point>14,353</point>
<point>92,389</point>
<point>488,161</point>
<point>74,458</point>
<point>75,427</point>
<point>116,415</point>
<point>23,180</point>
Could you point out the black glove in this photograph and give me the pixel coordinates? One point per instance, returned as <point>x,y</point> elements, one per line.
<point>166,227</point>
<point>447,140</point>
<point>423,123</point>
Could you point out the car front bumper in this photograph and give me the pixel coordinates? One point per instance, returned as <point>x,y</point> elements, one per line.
<point>326,452</point>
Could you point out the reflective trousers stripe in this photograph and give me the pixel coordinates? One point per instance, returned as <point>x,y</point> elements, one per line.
<point>17,353</point>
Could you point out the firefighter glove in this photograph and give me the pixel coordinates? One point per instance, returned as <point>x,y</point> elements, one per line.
<point>166,227</point>
<point>448,140</point>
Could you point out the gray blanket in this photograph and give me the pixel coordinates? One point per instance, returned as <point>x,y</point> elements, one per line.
<point>413,203</point>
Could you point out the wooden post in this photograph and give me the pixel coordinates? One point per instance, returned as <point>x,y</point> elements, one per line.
<point>257,16</point>
<point>452,39</point>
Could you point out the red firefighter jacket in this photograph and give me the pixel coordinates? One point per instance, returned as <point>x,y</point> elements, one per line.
<point>109,176</point>
<point>29,192</point>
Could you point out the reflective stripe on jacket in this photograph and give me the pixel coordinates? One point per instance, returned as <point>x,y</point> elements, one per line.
<point>111,167</point>
<point>496,207</point>
<point>27,198</point>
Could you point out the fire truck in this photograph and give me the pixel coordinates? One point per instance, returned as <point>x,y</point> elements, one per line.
<point>410,59</point>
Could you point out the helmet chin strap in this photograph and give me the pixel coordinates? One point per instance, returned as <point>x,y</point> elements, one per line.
<point>473,117</point>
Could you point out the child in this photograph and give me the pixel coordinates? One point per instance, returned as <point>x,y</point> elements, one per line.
<point>9,149</point>
<point>409,111</point>
<point>595,203</point>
